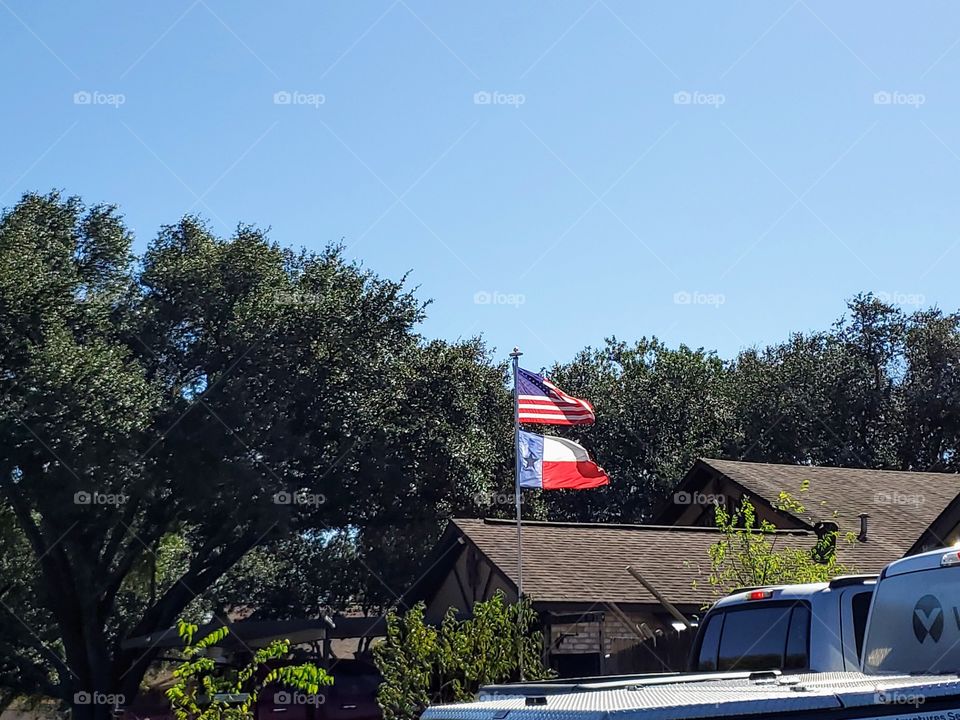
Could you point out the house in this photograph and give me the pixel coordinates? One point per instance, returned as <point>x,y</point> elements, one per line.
<point>577,577</point>
<point>600,617</point>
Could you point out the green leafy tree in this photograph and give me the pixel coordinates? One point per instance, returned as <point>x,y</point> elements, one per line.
<point>162,416</point>
<point>658,410</point>
<point>422,664</point>
<point>202,690</point>
<point>751,553</point>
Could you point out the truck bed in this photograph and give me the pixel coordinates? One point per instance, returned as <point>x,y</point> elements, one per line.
<point>820,696</point>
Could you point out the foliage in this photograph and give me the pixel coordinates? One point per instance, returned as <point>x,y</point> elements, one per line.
<point>162,416</point>
<point>751,553</point>
<point>203,691</point>
<point>661,408</point>
<point>422,664</point>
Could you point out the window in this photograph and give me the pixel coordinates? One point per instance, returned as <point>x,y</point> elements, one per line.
<point>767,636</point>
<point>754,638</point>
<point>861,607</point>
<point>710,643</point>
<point>796,656</point>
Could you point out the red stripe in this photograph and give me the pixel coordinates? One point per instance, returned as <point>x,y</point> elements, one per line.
<point>550,403</point>
<point>573,476</point>
<point>541,420</point>
<point>555,409</point>
<point>562,413</point>
<point>546,417</point>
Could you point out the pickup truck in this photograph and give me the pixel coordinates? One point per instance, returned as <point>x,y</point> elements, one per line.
<point>909,667</point>
<point>815,627</point>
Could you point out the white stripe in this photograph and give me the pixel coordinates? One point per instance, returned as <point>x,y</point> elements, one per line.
<point>557,449</point>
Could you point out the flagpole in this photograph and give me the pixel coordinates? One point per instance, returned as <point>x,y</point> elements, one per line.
<point>517,465</point>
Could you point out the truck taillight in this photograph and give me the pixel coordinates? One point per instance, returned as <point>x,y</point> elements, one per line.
<point>951,558</point>
<point>759,595</point>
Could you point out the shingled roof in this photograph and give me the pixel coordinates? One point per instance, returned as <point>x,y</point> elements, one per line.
<point>586,562</point>
<point>902,505</point>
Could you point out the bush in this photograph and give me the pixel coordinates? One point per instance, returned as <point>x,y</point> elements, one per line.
<point>203,693</point>
<point>422,665</point>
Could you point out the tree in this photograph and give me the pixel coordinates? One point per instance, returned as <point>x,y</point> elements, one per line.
<point>422,664</point>
<point>750,553</point>
<point>658,410</point>
<point>929,434</point>
<point>162,416</point>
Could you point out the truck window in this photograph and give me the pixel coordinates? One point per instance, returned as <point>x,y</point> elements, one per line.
<point>710,643</point>
<point>754,638</point>
<point>797,655</point>
<point>861,608</point>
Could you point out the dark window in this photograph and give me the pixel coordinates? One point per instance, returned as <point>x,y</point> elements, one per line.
<point>710,643</point>
<point>577,664</point>
<point>798,640</point>
<point>861,606</point>
<point>755,638</point>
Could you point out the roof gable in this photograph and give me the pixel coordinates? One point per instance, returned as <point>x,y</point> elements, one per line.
<point>901,504</point>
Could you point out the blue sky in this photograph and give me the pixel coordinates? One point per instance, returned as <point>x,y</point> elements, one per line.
<point>717,174</point>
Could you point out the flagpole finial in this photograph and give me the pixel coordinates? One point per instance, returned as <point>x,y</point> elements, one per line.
<point>516,352</point>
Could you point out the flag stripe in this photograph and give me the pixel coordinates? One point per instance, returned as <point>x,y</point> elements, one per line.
<point>573,476</point>
<point>540,401</point>
<point>562,416</point>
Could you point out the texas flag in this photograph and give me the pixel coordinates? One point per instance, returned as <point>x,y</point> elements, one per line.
<point>553,463</point>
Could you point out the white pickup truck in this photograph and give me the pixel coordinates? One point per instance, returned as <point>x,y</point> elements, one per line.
<point>814,627</point>
<point>909,670</point>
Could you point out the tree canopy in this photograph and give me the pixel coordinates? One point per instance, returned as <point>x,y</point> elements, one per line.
<point>162,415</point>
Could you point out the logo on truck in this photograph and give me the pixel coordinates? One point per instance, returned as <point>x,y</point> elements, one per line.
<point>928,619</point>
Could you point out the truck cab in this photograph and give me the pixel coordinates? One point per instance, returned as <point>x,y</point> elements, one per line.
<point>816,627</point>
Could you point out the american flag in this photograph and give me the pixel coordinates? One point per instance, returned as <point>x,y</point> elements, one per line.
<point>540,401</point>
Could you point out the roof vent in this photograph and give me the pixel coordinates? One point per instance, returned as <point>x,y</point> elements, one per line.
<point>533,700</point>
<point>862,537</point>
<point>824,529</point>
